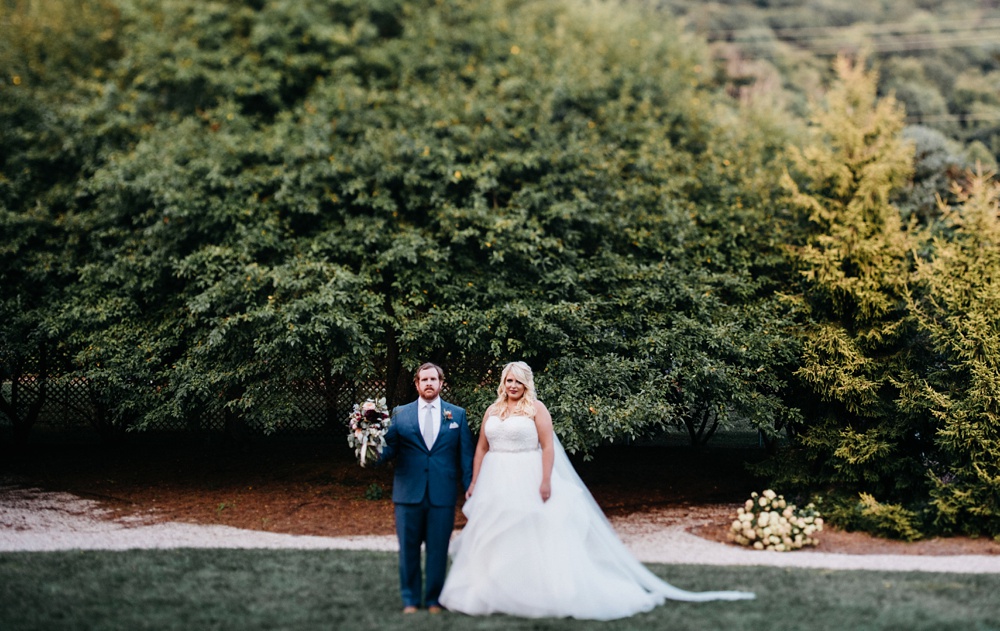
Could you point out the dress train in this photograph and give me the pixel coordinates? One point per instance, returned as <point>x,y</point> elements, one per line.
<point>560,558</point>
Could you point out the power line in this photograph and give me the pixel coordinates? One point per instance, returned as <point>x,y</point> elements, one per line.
<point>966,33</point>
<point>952,118</point>
<point>878,38</point>
<point>910,27</point>
<point>887,27</point>
<point>960,40</point>
<point>832,46</point>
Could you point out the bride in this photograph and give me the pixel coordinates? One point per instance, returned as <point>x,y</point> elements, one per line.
<point>536,543</point>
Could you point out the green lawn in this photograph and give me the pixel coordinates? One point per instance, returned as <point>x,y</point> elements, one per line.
<point>280,589</point>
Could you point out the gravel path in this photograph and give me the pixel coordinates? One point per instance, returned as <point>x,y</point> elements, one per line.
<point>34,520</point>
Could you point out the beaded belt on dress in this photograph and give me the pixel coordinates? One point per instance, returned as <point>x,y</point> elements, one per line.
<point>510,450</point>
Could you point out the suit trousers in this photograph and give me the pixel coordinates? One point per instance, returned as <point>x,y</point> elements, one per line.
<point>418,524</point>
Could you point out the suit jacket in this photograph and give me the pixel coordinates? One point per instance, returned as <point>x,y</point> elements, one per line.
<point>438,470</point>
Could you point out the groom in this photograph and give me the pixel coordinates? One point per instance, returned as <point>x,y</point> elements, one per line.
<point>433,447</point>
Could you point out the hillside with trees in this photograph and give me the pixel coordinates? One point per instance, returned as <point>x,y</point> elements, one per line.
<point>941,60</point>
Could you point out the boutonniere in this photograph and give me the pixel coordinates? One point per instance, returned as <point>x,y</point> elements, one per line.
<point>447,414</point>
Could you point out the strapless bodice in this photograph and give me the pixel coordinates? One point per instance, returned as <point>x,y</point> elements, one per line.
<point>515,433</point>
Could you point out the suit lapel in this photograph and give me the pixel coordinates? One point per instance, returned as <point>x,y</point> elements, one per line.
<point>409,422</point>
<point>414,424</point>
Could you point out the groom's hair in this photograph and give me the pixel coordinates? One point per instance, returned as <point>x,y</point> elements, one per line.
<point>423,367</point>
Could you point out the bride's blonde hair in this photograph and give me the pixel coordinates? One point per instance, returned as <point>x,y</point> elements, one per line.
<point>526,406</point>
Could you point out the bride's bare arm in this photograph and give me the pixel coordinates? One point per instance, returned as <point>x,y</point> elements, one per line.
<point>543,424</point>
<point>477,461</point>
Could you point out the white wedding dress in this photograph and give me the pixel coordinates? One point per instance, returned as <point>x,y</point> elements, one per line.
<point>521,556</point>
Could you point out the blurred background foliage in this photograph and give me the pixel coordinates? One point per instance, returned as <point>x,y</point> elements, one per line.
<point>687,217</point>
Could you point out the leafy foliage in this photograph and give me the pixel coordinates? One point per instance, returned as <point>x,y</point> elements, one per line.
<point>901,435</point>
<point>277,194</point>
<point>853,264</point>
<point>955,300</point>
<point>868,514</point>
<point>46,149</point>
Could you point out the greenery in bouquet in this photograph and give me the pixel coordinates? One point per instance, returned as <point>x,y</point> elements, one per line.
<point>368,424</point>
<point>767,522</point>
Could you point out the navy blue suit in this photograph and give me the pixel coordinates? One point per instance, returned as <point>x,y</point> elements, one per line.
<point>425,490</point>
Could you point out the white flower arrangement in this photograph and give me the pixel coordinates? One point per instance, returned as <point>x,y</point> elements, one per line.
<point>367,425</point>
<point>767,522</point>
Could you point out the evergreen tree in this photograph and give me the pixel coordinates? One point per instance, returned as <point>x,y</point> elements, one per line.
<point>854,264</point>
<point>956,299</point>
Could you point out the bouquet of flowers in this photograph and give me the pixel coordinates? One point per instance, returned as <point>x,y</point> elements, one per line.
<point>768,522</point>
<point>368,424</point>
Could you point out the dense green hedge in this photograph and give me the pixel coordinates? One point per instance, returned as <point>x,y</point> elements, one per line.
<point>270,194</point>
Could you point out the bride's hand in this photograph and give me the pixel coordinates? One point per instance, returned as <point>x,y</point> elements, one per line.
<point>468,492</point>
<point>546,491</point>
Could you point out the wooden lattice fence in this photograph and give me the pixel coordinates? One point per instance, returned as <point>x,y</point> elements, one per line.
<point>320,405</point>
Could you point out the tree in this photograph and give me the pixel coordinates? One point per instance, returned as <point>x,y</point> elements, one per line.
<point>854,263</point>
<point>955,300</point>
<point>323,193</point>
<point>43,53</point>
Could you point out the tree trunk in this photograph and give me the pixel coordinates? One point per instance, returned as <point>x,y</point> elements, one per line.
<point>697,423</point>
<point>22,422</point>
<point>398,389</point>
<point>397,380</point>
<point>329,387</point>
<point>102,415</point>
